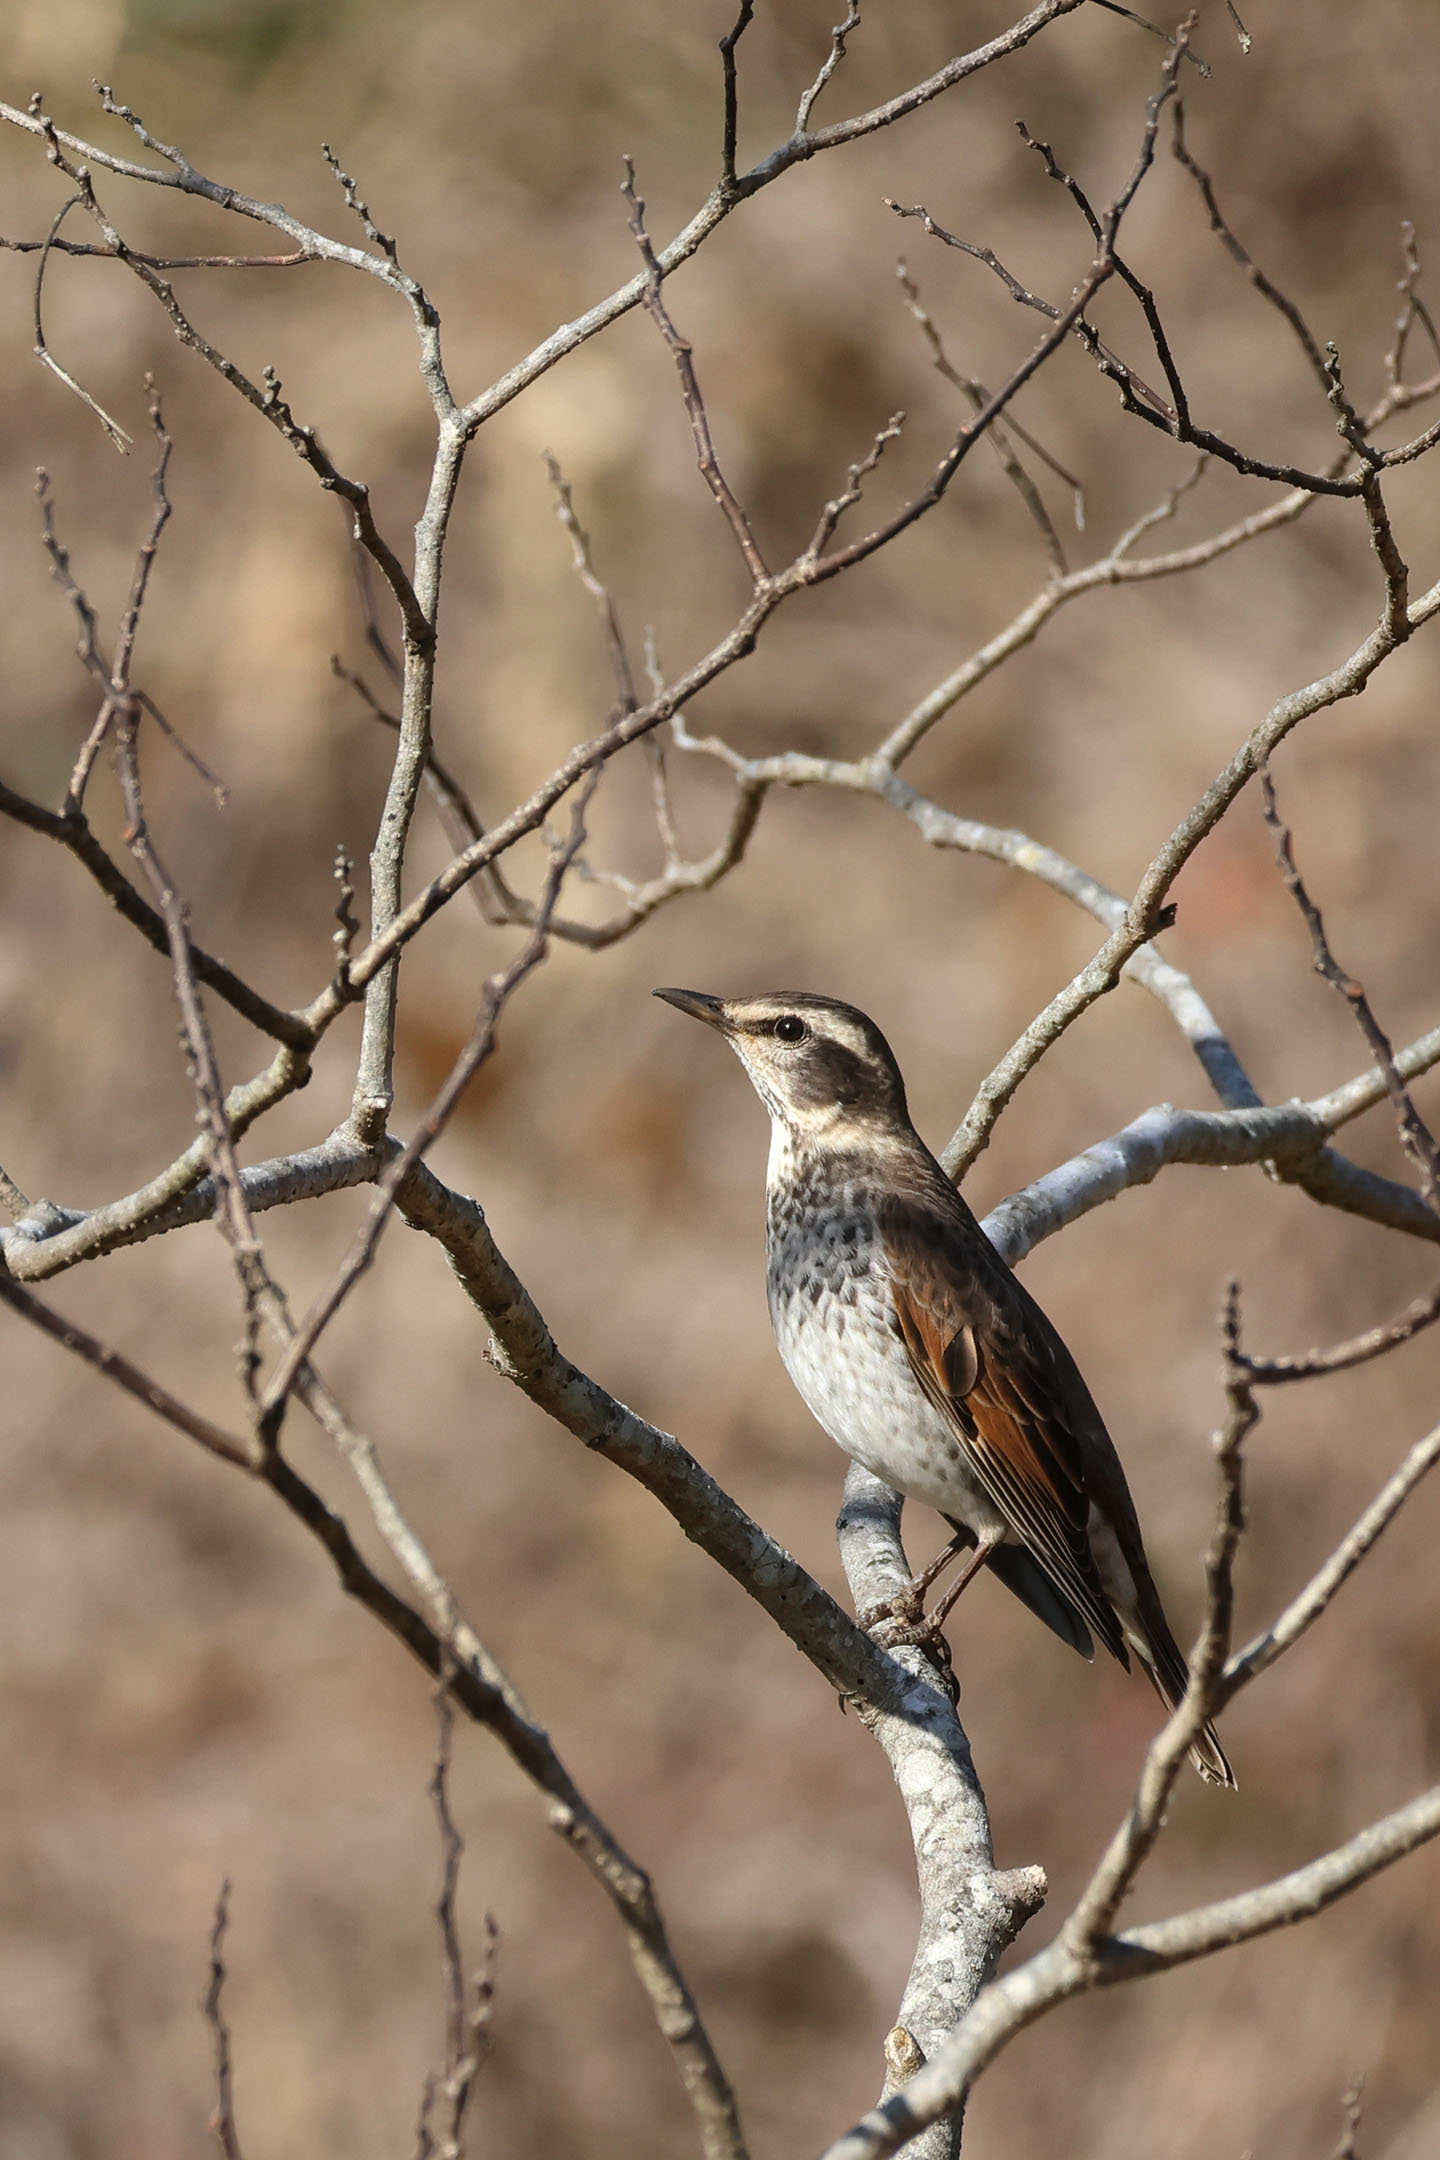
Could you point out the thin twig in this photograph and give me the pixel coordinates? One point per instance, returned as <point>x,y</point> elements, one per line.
<point>1413,310</point>
<point>682,352</point>
<point>1318,1593</point>
<point>836,54</point>
<point>1267,288</point>
<point>583,559</point>
<point>222,2119</point>
<point>1415,1135</point>
<point>468,2003</point>
<point>498,990</point>
<point>99,250</point>
<point>853,489</point>
<point>73,833</point>
<point>1111,363</point>
<point>1357,1350</point>
<point>1143,22</point>
<point>119,1369</point>
<point>977,396</point>
<point>728,44</point>
<point>1134,1840</point>
<point>1147,911</point>
<point>123,442</point>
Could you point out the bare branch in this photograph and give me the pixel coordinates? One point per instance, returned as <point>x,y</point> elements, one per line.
<point>1414,310</point>
<point>835,509</point>
<point>1030,1990</point>
<point>1147,910</point>
<point>453,1652</point>
<point>1174,417</point>
<point>728,44</point>
<point>49,1240</point>
<point>69,825</point>
<point>123,442</point>
<point>584,562</point>
<point>498,990</point>
<point>1288,1139</point>
<point>828,66</point>
<point>1136,1836</point>
<point>949,1825</point>
<point>977,396</point>
<point>354,201</point>
<point>1266,287</point>
<point>119,1369</point>
<point>222,2120</point>
<point>289,1028</point>
<point>267,400</point>
<point>1305,1609</point>
<point>734,188</point>
<point>1416,1137</point>
<point>1111,363</point>
<point>1143,22</point>
<point>1359,1350</point>
<point>467,2015</point>
<point>232,1213</point>
<point>99,250</point>
<point>682,352</point>
<point>1163,1944</point>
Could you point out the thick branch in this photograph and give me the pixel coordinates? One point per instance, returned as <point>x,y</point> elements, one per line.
<point>1034,1988</point>
<point>523,1350</point>
<point>969,1911</point>
<point>1289,1139</point>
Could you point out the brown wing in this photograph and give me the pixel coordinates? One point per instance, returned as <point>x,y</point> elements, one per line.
<point>991,1363</point>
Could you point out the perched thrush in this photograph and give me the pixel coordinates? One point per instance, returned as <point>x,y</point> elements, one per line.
<point>918,1350</point>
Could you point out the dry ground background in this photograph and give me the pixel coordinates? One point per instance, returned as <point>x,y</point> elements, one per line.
<point>184,1694</point>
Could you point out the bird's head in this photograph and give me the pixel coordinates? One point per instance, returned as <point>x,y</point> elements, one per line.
<point>823,1070</point>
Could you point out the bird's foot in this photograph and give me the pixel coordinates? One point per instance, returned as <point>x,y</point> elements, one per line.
<point>906,1610</point>
<point>902,1620</point>
<point>924,1636</point>
<point>902,1623</point>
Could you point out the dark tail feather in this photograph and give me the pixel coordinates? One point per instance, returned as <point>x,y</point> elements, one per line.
<point>1022,1573</point>
<point>1155,1647</point>
<point>1169,1675</point>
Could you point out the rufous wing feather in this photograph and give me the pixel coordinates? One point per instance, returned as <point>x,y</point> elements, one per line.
<point>1017,1442</point>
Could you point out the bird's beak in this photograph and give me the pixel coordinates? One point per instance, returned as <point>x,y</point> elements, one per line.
<point>699,1005</point>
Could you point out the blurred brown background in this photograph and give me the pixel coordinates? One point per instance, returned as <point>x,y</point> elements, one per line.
<point>185,1694</point>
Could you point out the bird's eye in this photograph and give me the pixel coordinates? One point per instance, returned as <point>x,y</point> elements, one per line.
<point>791,1028</point>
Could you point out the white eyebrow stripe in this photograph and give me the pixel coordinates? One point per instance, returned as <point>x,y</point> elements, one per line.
<point>849,1035</point>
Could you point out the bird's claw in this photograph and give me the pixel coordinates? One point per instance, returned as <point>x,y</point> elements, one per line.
<point>901,1623</point>
<point>906,1608</point>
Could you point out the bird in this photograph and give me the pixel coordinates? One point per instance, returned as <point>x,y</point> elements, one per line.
<point>918,1350</point>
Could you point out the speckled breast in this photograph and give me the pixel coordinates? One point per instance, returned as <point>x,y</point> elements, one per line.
<point>828,1285</point>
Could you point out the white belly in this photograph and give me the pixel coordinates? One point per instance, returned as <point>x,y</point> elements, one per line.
<point>843,1355</point>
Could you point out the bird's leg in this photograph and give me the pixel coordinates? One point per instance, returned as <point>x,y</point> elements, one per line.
<point>943,1609</point>
<point>925,1627</point>
<point>908,1602</point>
